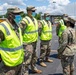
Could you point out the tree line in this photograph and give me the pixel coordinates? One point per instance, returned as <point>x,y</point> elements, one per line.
<point>38,15</point>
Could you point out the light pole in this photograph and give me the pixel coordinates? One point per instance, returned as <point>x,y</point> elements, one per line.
<point>40,15</point>
<point>54,4</point>
<point>53,18</point>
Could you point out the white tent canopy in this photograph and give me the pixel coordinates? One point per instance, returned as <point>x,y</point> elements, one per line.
<point>57,12</point>
<point>70,9</point>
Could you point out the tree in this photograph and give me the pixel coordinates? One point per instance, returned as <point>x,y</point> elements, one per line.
<point>23,14</point>
<point>38,16</point>
<point>1,16</point>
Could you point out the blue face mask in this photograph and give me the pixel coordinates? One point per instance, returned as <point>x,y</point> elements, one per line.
<point>17,18</point>
<point>33,14</point>
<point>47,18</point>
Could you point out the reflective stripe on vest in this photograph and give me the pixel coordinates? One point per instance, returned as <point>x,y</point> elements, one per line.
<point>47,31</point>
<point>11,49</point>
<point>31,32</point>
<point>7,31</point>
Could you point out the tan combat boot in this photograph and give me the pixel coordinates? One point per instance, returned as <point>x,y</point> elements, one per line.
<point>37,71</point>
<point>49,60</point>
<point>43,64</point>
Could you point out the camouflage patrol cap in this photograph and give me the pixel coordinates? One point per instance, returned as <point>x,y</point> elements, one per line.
<point>66,19</point>
<point>30,8</point>
<point>71,20</point>
<point>46,14</point>
<point>65,15</point>
<point>14,10</point>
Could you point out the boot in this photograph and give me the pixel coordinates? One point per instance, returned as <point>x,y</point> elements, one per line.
<point>49,60</point>
<point>43,64</point>
<point>71,73</point>
<point>37,71</point>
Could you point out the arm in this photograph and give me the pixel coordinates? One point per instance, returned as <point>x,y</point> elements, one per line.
<point>22,26</point>
<point>57,30</point>
<point>39,27</point>
<point>1,36</point>
<point>64,41</point>
<point>1,39</point>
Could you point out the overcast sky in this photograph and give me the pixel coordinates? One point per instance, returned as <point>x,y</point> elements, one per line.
<point>41,5</point>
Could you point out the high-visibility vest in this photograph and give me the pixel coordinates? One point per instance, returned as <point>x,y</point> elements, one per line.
<point>31,31</point>
<point>62,28</point>
<point>46,33</point>
<point>11,49</point>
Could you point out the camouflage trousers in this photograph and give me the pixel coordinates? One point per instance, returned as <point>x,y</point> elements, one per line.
<point>30,57</point>
<point>45,49</point>
<point>34,57</point>
<point>67,65</point>
<point>59,41</point>
<point>5,70</point>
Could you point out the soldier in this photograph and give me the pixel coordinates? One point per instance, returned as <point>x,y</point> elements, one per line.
<point>66,49</point>
<point>29,26</point>
<point>11,49</point>
<point>45,33</point>
<point>60,27</point>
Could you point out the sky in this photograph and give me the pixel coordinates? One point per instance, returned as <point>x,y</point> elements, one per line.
<point>41,5</point>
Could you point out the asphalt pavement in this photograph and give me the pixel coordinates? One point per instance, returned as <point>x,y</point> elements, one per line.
<point>55,67</point>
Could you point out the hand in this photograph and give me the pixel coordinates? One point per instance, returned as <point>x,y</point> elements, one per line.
<point>58,56</point>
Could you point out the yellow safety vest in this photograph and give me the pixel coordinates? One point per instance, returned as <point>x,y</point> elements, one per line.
<point>46,33</point>
<point>11,49</point>
<point>31,31</point>
<point>62,28</point>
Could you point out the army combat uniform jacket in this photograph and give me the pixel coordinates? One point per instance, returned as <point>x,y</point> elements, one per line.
<point>67,42</point>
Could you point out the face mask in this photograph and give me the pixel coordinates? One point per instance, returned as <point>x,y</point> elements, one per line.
<point>47,18</point>
<point>33,14</point>
<point>17,18</point>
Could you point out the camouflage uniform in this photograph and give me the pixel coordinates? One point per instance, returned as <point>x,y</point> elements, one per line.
<point>5,70</point>
<point>30,52</point>
<point>66,52</point>
<point>34,57</point>
<point>30,58</point>
<point>30,48</point>
<point>27,59</point>
<point>45,47</point>
<point>67,65</point>
<point>60,28</point>
<point>57,31</point>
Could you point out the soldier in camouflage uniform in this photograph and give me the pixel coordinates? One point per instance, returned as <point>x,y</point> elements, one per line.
<point>66,49</point>
<point>12,22</point>
<point>45,33</point>
<point>29,28</point>
<point>60,27</point>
